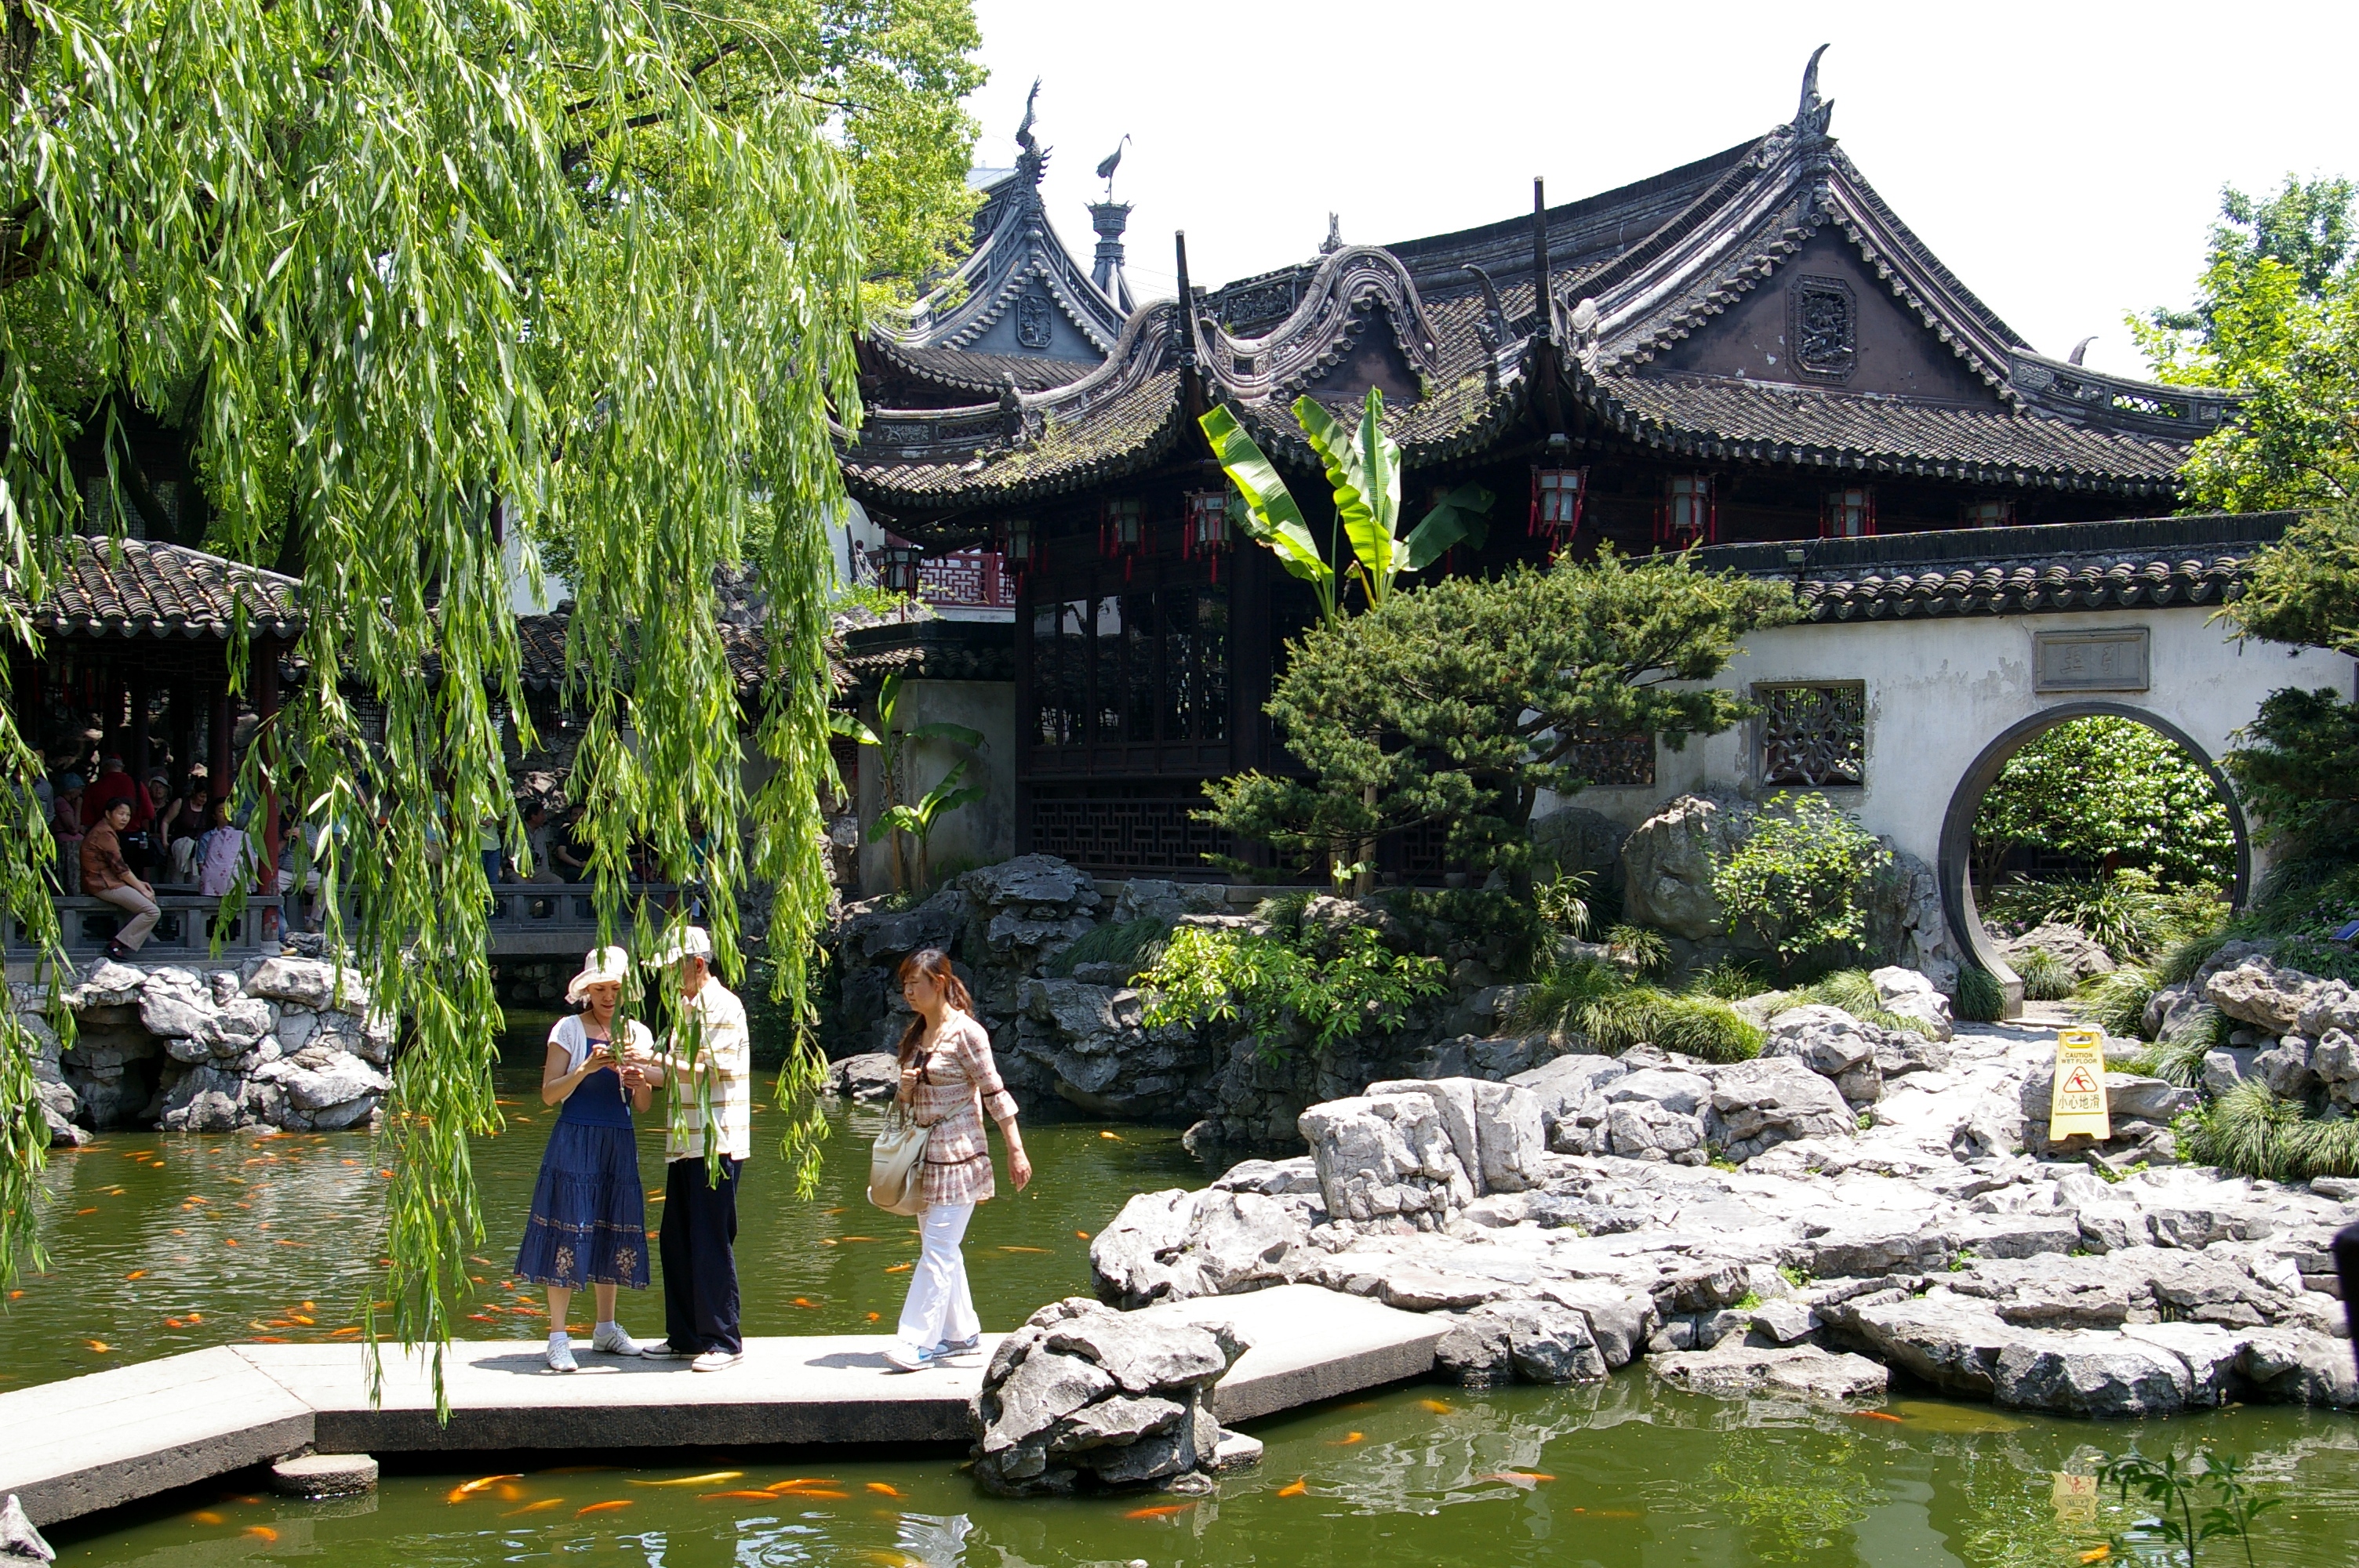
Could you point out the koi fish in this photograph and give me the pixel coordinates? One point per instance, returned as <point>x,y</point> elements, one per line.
<point>306,1322</point>
<point>872,1316</point>
<point>809,1492</point>
<point>1876,1415</point>
<point>229,1240</point>
<point>882,1490</point>
<point>136,1274</point>
<point>806,1303</point>
<point>856,1238</point>
<point>1519,1477</point>
<point>206,1516</point>
<point>694,1480</point>
<point>1024,1249</point>
<point>270,1339</point>
<point>1439,1407</point>
<point>607,1507</point>
<point>79,1212</point>
<point>799,1481</point>
<point>750,1497</point>
<point>1116,1136</point>
<point>469,1489</point>
<point>101,1346</point>
<point>541,1506</point>
<point>1166,1511</point>
<point>898,1268</point>
<point>1081,1235</point>
<point>262,1533</point>
<point>1348,1439</point>
<point>2098,1555</point>
<point>340,1332</point>
<point>174,1322</point>
<point>1296,1487</point>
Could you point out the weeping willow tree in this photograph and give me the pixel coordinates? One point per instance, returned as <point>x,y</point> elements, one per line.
<point>428,277</point>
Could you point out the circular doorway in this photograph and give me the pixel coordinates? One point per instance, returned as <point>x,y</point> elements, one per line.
<point>1956,868</point>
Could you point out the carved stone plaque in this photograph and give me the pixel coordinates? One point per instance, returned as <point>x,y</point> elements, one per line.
<point>1824,327</point>
<point>2091,660</point>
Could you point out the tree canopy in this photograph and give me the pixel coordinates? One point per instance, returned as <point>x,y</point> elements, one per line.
<point>1459,702</point>
<point>2275,315</point>
<point>422,276</point>
<point>2113,793</point>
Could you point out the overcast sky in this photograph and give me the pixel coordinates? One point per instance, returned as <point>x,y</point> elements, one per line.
<point>2064,159</point>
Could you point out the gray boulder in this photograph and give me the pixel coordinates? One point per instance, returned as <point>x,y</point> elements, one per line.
<point>1175,1245</point>
<point>1831,1044</point>
<point>309,983</point>
<point>1758,1105</point>
<point>1667,862</point>
<point>1082,1397</point>
<point>1909,994</point>
<point>2079,952</point>
<point>175,1002</point>
<point>1688,1093</point>
<point>2335,1060</point>
<point>1537,1341</point>
<point>1649,1129</point>
<point>1734,1369</point>
<point>1385,1157</point>
<point>2089,1372</point>
<point>1496,1129</point>
<point>19,1540</point>
<point>2286,1069</point>
<point>868,1076</point>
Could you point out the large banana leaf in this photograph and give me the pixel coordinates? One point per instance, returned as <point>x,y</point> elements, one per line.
<point>1272,517</point>
<point>1364,471</point>
<point>1461,517</point>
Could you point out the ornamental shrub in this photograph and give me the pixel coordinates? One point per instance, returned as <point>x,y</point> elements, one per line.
<point>2046,976</point>
<point>1794,882</point>
<point>1266,982</point>
<point>1980,999</point>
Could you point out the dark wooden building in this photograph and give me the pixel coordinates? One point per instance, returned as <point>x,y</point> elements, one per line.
<point>1750,347</point>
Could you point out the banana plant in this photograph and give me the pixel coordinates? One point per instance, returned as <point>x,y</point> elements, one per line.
<point>897,816</point>
<point>917,821</point>
<point>1364,471</point>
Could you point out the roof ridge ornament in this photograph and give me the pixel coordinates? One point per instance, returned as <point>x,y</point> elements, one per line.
<point>1812,113</point>
<point>1334,240</point>
<point>1032,158</point>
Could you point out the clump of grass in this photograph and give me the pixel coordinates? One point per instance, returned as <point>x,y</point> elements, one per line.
<point>1729,980</point>
<point>2179,1058</point>
<point>1126,944</point>
<point>2253,1132</point>
<point>2046,976</point>
<point>1854,992</point>
<point>2116,1002</point>
<point>1980,999</point>
<point>1645,950</point>
<point>1601,1003</point>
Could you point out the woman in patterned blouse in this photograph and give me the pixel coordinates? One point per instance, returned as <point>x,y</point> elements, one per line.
<point>948,1081</point>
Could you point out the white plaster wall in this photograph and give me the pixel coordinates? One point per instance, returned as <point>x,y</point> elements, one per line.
<point>1939,690</point>
<point>980,834</point>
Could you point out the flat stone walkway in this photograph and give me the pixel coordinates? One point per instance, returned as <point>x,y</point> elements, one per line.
<point>73,1447</point>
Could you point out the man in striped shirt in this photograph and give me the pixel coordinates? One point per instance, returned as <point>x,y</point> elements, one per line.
<point>707,1059</point>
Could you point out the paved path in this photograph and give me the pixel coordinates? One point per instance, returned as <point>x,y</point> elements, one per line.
<point>72,1447</point>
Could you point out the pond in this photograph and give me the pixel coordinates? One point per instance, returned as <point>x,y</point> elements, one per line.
<point>162,1244</point>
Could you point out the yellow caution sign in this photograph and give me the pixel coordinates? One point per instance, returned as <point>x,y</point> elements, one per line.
<point>2078,1104</point>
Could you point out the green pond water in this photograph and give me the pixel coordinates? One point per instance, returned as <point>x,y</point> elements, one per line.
<point>163,1244</point>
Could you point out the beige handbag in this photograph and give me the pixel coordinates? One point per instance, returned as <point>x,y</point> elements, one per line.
<point>897,1164</point>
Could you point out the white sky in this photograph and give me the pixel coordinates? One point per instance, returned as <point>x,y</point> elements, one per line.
<point>2064,159</point>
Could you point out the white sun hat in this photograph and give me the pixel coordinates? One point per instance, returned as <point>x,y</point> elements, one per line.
<point>687,942</point>
<point>600,966</point>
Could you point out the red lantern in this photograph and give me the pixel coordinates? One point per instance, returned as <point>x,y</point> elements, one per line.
<point>1122,529</point>
<point>1848,513</point>
<point>1688,514</point>
<point>897,569</point>
<point>1206,530</point>
<point>1557,497</point>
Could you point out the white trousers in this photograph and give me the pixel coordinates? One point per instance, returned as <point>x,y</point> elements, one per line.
<point>939,1306</point>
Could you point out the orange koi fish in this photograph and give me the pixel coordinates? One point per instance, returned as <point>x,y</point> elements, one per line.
<point>1295,1489</point>
<point>1876,1415</point>
<point>1166,1511</point>
<point>882,1490</point>
<point>607,1507</point>
<point>262,1533</point>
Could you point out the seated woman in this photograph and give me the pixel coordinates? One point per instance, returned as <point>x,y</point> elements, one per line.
<point>187,829</point>
<point>223,855</point>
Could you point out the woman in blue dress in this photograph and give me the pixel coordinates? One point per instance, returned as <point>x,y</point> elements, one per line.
<point>589,1212</point>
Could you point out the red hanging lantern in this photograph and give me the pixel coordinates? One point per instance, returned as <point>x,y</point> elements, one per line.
<point>1205,532</point>
<point>1688,513</point>
<point>1557,497</point>
<point>1122,530</point>
<point>1019,547</point>
<point>1848,513</point>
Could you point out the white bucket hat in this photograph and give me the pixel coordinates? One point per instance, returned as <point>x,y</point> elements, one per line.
<point>687,942</point>
<point>600,966</point>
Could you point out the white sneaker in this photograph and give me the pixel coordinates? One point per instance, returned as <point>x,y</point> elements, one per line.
<point>950,1350</point>
<point>717,1360</point>
<point>611,1338</point>
<point>664,1350</point>
<point>561,1355</point>
<point>901,1359</point>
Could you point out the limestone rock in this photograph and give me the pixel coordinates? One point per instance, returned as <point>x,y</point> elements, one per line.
<point>1650,1129</point>
<point>2079,952</point>
<point>1385,1156</point>
<point>1084,1396</point>
<point>1686,1093</point>
<point>1733,1370</point>
<point>2088,1372</point>
<point>1175,1245</point>
<point>870,1076</point>
<point>1667,862</point>
<point>19,1540</point>
<point>2286,1069</point>
<point>1909,994</point>
<point>1563,1084</point>
<point>1938,1337</point>
<point>1271,1178</point>
<point>309,983</point>
<point>2293,1366</point>
<point>1760,1104</point>
<point>2335,1060</point>
<point>108,984</point>
<point>176,1002</point>
<point>1831,1044</point>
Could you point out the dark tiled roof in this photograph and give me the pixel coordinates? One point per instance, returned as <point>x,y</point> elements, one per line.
<point>1119,435</point>
<point>959,371</point>
<point>935,648</point>
<point>1721,418</point>
<point>540,641</point>
<point>2129,563</point>
<point>132,587</point>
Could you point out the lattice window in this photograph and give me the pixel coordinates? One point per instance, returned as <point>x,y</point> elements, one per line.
<point>977,578</point>
<point>1112,832</point>
<point>1613,759</point>
<point>1813,734</point>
